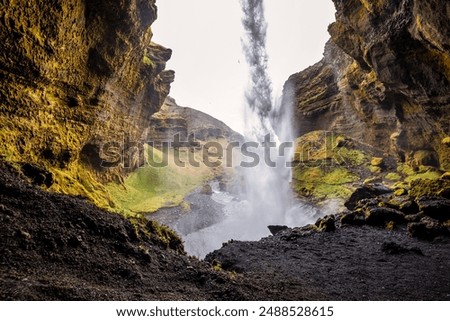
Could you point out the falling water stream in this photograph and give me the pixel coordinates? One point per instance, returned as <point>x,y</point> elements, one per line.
<point>267,195</point>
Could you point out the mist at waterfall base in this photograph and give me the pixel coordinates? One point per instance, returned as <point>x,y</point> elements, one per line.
<point>267,197</point>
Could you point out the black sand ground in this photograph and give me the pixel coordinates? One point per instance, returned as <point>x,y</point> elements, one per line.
<point>56,247</point>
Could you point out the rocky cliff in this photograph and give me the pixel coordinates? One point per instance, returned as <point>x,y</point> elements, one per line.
<point>190,123</point>
<point>74,75</point>
<point>384,79</point>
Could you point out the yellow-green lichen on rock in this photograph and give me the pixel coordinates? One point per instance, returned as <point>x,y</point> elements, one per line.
<point>430,188</point>
<point>372,90</point>
<point>327,165</point>
<point>151,187</point>
<point>320,183</point>
<point>72,83</point>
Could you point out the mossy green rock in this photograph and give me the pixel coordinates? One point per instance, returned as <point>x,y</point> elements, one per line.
<point>430,188</point>
<point>328,164</point>
<point>370,88</point>
<point>74,77</point>
<point>377,162</point>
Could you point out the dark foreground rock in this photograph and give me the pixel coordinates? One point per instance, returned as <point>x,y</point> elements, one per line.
<point>350,263</point>
<point>56,247</point>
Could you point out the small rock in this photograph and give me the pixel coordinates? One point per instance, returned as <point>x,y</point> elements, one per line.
<point>275,229</point>
<point>24,234</point>
<point>414,217</point>
<point>400,192</point>
<point>206,190</point>
<point>354,218</point>
<point>390,226</point>
<point>409,207</point>
<point>393,248</point>
<point>377,161</point>
<point>75,241</point>
<point>326,224</point>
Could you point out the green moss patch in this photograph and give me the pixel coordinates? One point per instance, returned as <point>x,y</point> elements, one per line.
<point>430,188</point>
<point>324,183</point>
<point>151,188</point>
<point>393,177</point>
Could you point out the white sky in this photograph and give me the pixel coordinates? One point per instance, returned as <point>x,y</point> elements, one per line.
<point>205,36</point>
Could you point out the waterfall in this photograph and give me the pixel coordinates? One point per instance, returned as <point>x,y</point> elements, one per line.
<point>267,197</point>
<point>268,182</point>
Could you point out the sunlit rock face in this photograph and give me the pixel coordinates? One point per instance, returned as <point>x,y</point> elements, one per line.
<point>384,78</point>
<point>75,74</point>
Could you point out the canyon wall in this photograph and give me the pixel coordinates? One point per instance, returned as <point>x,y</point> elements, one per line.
<point>77,72</point>
<point>384,79</point>
<point>74,75</point>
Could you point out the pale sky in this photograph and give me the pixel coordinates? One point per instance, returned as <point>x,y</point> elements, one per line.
<point>205,36</point>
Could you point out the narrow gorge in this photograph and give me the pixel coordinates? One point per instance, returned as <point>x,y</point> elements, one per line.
<point>110,190</point>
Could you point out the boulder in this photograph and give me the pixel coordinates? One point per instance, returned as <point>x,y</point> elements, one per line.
<point>393,248</point>
<point>427,229</point>
<point>409,207</point>
<point>430,188</point>
<point>326,224</point>
<point>379,216</point>
<point>366,192</point>
<point>436,208</point>
<point>37,175</point>
<point>354,218</point>
<point>275,229</point>
<point>414,217</point>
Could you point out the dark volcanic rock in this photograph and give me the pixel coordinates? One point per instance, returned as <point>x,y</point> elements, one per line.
<point>352,263</point>
<point>366,192</point>
<point>275,229</point>
<point>382,215</point>
<point>38,175</point>
<point>326,224</point>
<point>353,218</point>
<point>428,229</point>
<point>57,247</point>
<point>436,208</point>
<point>394,248</point>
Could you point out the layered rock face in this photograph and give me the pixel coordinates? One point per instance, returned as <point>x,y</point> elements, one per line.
<point>384,79</point>
<point>188,123</point>
<point>77,73</point>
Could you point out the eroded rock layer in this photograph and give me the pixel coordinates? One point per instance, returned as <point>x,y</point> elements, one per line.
<point>75,74</point>
<point>384,79</point>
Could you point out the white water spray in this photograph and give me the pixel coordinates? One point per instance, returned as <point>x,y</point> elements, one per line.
<point>267,199</point>
<point>267,183</point>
